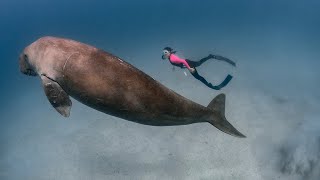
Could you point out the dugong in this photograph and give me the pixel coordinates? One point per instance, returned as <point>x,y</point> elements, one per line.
<point>108,84</point>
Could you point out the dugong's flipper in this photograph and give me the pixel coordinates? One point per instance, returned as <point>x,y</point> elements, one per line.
<point>58,98</point>
<point>218,118</point>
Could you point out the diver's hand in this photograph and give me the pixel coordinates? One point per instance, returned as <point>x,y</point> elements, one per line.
<point>192,70</point>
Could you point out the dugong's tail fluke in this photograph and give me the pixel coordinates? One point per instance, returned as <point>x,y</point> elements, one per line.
<point>218,118</point>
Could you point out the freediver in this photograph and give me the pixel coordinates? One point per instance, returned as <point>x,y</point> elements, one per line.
<point>169,54</point>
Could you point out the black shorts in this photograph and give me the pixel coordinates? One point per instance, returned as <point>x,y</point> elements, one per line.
<point>192,64</point>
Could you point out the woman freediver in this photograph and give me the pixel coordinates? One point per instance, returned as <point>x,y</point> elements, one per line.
<point>169,54</point>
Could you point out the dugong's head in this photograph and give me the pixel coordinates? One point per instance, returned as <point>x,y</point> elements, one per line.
<point>25,65</point>
<point>27,61</point>
<point>43,57</point>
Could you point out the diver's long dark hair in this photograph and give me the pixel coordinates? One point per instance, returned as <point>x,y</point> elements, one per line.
<point>169,49</point>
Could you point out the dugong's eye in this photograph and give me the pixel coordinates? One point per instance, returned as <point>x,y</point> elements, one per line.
<point>25,57</point>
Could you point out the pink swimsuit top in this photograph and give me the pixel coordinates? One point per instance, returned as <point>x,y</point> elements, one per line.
<point>176,60</point>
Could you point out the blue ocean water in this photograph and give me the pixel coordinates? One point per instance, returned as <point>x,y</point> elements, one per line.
<point>273,98</point>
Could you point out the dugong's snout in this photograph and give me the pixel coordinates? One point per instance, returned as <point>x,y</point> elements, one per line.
<point>25,67</point>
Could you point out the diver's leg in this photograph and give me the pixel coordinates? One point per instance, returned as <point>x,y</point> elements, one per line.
<point>221,58</point>
<point>204,59</point>
<point>212,56</point>
<point>198,63</point>
<point>204,81</point>
<point>192,64</point>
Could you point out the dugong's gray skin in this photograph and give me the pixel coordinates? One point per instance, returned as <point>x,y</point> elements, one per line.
<point>107,83</point>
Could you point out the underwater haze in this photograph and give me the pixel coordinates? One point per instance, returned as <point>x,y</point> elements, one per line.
<point>273,98</point>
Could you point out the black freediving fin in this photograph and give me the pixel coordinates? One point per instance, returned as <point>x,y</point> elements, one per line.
<point>58,98</point>
<point>222,84</point>
<point>221,58</point>
<point>225,81</point>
